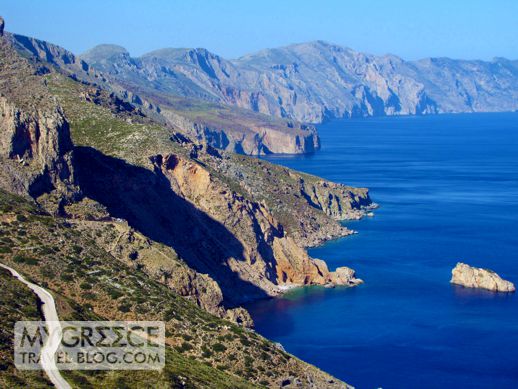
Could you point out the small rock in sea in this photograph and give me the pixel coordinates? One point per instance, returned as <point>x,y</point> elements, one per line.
<point>370,214</point>
<point>475,277</point>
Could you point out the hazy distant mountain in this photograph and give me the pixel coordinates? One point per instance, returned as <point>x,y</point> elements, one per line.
<point>317,80</point>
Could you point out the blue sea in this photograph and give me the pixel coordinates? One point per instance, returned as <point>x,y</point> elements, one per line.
<point>447,187</point>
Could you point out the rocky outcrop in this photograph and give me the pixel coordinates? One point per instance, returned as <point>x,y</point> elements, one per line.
<point>345,276</point>
<point>307,206</point>
<point>315,81</point>
<point>35,143</point>
<point>474,277</point>
<point>240,316</point>
<point>335,200</point>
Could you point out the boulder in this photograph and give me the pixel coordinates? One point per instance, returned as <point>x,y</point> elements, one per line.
<point>345,276</point>
<point>240,316</point>
<point>475,277</point>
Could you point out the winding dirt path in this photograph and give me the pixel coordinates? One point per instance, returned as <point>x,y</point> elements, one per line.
<point>47,360</point>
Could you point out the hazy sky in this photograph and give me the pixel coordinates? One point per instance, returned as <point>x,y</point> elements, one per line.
<point>411,29</point>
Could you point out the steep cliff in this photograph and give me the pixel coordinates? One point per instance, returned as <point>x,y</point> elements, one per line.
<point>314,81</point>
<point>35,143</point>
<point>164,184</point>
<point>307,206</point>
<point>240,131</point>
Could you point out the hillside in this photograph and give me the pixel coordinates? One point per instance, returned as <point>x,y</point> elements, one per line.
<point>315,81</point>
<point>123,217</point>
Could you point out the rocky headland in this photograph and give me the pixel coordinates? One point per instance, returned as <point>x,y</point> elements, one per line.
<point>122,217</point>
<point>475,277</point>
<point>218,228</point>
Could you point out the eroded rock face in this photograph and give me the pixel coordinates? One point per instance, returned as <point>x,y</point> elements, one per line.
<point>270,258</point>
<point>37,148</point>
<point>240,316</point>
<point>35,143</point>
<point>474,277</point>
<point>247,135</point>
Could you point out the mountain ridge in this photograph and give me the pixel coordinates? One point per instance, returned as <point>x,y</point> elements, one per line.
<point>315,81</point>
<point>203,118</point>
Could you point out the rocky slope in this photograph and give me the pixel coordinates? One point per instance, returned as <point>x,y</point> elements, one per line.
<point>475,277</point>
<point>248,220</point>
<point>132,218</point>
<point>167,185</point>
<point>89,283</point>
<point>221,126</point>
<point>315,81</point>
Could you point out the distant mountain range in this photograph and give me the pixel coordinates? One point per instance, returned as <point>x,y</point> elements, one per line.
<point>315,81</point>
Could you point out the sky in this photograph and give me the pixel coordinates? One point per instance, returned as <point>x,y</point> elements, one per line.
<point>469,29</point>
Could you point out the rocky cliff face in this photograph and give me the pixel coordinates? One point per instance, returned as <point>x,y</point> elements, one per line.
<point>307,206</point>
<point>35,143</point>
<point>335,200</point>
<point>314,81</point>
<point>269,257</point>
<point>256,138</point>
<point>474,277</point>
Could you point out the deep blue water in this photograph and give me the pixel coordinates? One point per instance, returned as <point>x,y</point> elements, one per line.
<point>448,191</point>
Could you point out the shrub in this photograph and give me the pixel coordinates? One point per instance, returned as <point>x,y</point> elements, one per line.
<point>124,307</point>
<point>206,353</point>
<point>77,249</point>
<point>244,341</point>
<point>20,258</point>
<point>186,346</point>
<point>66,277</point>
<point>85,286</point>
<point>218,347</point>
<point>5,250</point>
<point>170,314</point>
<point>89,296</point>
<point>248,360</point>
<point>141,309</point>
<point>114,293</point>
<point>21,218</point>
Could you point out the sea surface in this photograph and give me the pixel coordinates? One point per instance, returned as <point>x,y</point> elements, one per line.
<point>447,187</point>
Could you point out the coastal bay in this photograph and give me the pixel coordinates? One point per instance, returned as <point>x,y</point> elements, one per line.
<point>448,190</point>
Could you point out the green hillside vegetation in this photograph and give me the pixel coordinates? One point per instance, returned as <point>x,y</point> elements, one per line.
<point>89,283</point>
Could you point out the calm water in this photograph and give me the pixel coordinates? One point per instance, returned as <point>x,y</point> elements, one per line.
<point>448,190</point>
